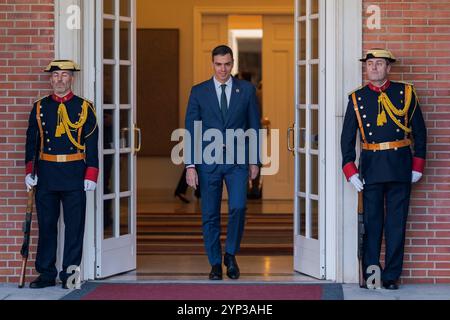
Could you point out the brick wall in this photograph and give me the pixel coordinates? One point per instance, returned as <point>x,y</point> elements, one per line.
<point>26,47</point>
<point>418,33</point>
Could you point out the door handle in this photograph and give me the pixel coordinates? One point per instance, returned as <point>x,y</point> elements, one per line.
<point>266,124</point>
<point>289,144</point>
<point>139,135</point>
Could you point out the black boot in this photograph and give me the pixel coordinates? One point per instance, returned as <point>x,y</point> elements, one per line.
<point>40,283</point>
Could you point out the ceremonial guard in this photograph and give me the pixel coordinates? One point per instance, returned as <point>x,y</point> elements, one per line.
<point>390,122</point>
<point>65,127</point>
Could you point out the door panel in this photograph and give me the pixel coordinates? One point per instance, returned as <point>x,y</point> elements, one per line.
<point>214,32</point>
<point>278,93</point>
<point>116,101</point>
<point>309,218</point>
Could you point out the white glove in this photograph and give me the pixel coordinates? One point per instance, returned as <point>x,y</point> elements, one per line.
<point>416,176</point>
<point>30,182</point>
<point>356,182</point>
<point>89,185</point>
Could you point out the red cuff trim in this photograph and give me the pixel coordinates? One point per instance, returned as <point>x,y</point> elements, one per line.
<point>418,164</point>
<point>29,168</point>
<point>91,174</point>
<point>350,170</point>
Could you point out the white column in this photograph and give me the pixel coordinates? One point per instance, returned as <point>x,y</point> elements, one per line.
<point>74,40</point>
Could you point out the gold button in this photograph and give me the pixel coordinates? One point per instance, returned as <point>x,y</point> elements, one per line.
<point>48,140</point>
<point>359,98</point>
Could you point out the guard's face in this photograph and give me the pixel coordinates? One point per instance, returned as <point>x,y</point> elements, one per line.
<point>377,69</point>
<point>61,81</point>
<point>222,67</point>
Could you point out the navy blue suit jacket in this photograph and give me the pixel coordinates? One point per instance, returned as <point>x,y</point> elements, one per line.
<point>243,113</point>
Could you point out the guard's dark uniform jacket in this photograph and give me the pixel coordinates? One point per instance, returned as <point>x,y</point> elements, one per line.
<point>390,121</point>
<point>68,155</point>
<point>389,165</point>
<point>63,175</point>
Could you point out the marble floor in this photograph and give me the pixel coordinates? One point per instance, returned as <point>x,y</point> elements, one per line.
<point>195,268</point>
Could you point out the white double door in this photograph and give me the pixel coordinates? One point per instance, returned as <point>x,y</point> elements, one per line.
<point>115,232</point>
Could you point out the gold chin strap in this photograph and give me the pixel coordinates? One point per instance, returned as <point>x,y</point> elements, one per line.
<point>386,105</point>
<point>64,124</point>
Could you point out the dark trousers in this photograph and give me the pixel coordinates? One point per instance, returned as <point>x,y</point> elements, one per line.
<point>392,197</point>
<point>235,178</point>
<point>48,211</point>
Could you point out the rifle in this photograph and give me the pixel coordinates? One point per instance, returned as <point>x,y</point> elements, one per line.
<point>26,227</point>
<point>361,232</point>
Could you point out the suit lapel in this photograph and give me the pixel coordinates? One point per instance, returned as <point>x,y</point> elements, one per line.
<point>236,92</point>
<point>212,96</point>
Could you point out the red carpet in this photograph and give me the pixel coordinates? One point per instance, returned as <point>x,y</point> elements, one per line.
<point>176,292</point>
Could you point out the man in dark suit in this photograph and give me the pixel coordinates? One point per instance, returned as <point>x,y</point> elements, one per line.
<point>223,103</point>
<point>66,127</point>
<point>389,120</point>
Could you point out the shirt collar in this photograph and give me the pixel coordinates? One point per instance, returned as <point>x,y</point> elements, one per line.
<point>66,98</point>
<point>380,89</point>
<point>218,84</point>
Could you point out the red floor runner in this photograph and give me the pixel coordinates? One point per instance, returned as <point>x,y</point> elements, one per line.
<point>204,292</point>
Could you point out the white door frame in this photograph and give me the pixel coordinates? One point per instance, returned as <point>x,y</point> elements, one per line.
<point>343,74</point>
<point>78,45</point>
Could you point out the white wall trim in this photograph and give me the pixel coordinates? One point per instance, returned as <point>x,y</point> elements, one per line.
<point>344,73</point>
<point>78,45</point>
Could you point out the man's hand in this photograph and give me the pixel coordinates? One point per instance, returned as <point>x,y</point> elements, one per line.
<point>254,170</point>
<point>89,185</point>
<point>357,183</point>
<point>416,176</point>
<point>30,182</point>
<point>192,178</point>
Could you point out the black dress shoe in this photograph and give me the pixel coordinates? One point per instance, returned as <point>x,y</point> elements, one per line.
<point>40,283</point>
<point>182,197</point>
<point>216,272</point>
<point>232,266</point>
<point>390,285</point>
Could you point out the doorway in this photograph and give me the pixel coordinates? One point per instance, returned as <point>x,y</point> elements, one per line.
<point>167,227</point>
